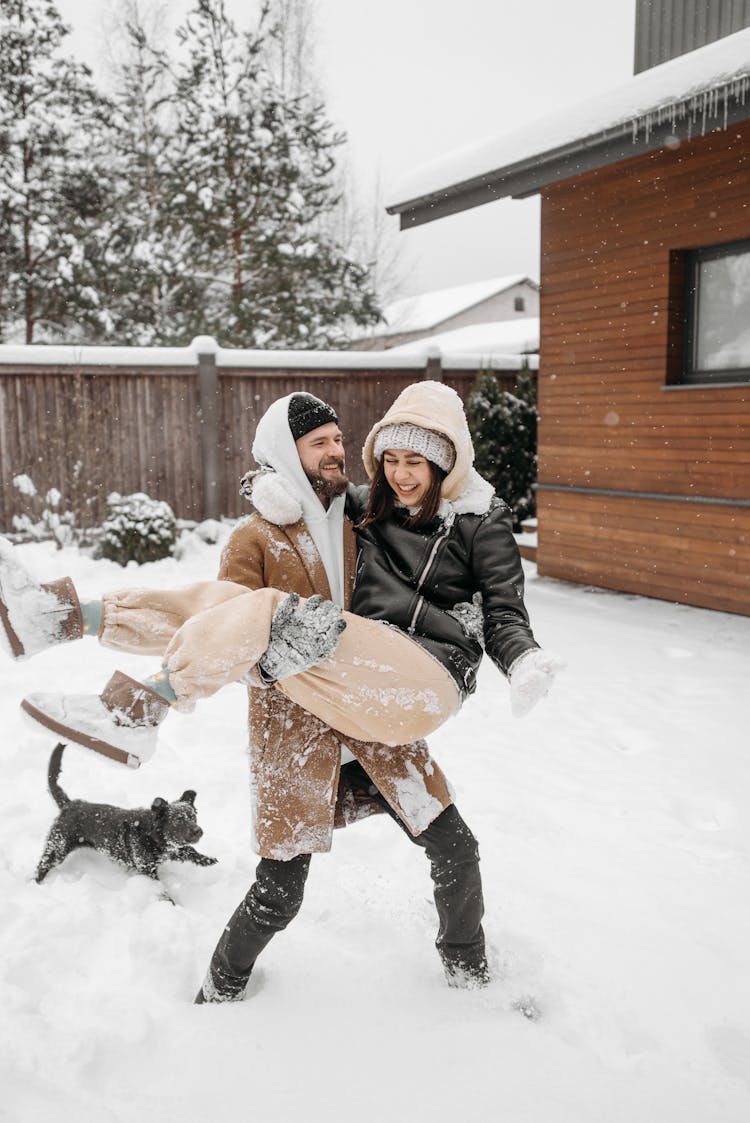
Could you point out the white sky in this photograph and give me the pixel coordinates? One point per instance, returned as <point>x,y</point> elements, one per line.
<point>412,79</point>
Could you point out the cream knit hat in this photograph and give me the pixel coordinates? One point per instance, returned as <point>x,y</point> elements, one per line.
<point>433,446</point>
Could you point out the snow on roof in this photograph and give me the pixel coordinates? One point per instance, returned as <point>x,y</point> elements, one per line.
<point>700,85</point>
<point>503,337</point>
<point>418,313</point>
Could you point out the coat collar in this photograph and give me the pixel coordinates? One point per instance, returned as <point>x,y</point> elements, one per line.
<point>277,503</point>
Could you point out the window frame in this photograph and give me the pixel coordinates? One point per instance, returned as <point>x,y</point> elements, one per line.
<point>691,374</point>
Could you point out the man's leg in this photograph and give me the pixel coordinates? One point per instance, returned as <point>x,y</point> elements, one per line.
<point>271,903</point>
<point>454,866</point>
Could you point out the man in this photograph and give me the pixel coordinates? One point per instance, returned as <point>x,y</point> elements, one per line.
<point>304,779</point>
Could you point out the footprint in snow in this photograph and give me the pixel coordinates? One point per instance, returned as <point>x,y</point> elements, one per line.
<point>704,815</point>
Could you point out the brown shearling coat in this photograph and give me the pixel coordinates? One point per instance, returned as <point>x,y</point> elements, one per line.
<point>295,758</point>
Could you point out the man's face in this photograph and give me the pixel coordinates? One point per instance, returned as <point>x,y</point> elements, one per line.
<point>321,454</point>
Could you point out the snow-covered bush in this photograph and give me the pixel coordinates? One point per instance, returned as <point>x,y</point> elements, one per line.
<point>47,516</point>
<point>503,428</point>
<point>137,528</point>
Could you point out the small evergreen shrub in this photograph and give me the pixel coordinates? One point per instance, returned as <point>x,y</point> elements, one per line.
<point>137,528</point>
<point>503,428</point>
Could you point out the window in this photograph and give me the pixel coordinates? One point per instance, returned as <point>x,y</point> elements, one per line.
<point>519,304</point>
<point>718,314</point>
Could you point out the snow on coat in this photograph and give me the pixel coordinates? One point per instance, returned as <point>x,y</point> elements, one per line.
<point>294,758</point>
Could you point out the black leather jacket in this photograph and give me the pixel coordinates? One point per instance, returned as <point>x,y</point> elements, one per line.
<point>412,578</point>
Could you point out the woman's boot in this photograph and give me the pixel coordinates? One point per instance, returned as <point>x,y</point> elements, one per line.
<point>34,616</point>
<point>120,723</point>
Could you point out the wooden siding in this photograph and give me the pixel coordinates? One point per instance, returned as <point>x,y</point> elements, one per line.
<point>90,431</point>
<point>611,416</point>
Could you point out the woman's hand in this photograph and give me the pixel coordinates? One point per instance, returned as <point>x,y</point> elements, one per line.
<point>531,678</point>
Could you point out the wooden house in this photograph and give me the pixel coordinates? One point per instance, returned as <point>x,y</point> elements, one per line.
<point>414,318</point>
<point>644,378</point>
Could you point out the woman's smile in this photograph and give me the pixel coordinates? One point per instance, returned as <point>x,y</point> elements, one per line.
<point>408,474</point>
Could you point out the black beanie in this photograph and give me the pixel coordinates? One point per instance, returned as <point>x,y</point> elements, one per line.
<point>306,412</point>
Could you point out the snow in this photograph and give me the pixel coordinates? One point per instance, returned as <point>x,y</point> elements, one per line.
<point>503,337</point>
<point>701,83</point>
<point>419,313</point>
<point>61,355</point>
<point>615,838</point>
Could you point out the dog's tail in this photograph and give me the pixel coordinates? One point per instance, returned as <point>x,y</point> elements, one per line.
<point>55,764</point>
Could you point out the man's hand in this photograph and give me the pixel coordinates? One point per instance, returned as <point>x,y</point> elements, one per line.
<point>302,634</point>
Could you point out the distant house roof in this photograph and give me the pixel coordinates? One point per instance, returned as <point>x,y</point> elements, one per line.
<point>420,313</point>
<point>502,337</point>
<point>706,89</point>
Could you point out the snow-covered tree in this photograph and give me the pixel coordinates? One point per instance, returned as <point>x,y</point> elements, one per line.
<point>149,288</point>
<point>358,222</point>
<point>503,428</point>
<point>252,177</point>
<point>54,190</point>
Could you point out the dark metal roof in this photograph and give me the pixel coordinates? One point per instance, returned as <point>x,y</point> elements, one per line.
<point>531,175</point>
<point>705,91</point>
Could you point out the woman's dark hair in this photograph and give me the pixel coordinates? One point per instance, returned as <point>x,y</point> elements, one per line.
<point>380,503</point>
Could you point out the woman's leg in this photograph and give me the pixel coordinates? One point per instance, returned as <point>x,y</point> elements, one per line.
<point>143,621</point>
<point>36,615</point>
<point>379,685</point>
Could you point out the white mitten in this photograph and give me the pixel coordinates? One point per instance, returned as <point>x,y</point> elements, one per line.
<point>531,678</point>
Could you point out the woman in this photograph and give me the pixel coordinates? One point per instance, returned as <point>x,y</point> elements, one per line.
<point>437,562</point>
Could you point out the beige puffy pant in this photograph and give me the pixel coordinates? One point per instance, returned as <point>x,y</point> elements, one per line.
<point>379,685</point>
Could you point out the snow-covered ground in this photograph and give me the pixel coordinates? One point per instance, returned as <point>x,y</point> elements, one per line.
<point>615,839</point>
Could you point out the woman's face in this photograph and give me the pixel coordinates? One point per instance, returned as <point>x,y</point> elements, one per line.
<point>408,474</point>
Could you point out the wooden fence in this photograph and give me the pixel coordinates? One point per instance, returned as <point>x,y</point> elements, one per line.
<point>179,423</point>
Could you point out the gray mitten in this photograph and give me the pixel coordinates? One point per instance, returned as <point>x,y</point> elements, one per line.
<point>302,634</point>
<point>470,616</point>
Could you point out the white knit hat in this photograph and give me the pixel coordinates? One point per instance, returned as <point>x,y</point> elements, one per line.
<point>433,446</point>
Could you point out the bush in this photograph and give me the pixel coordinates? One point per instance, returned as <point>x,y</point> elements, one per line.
<point>46,517</point>
<point>503,427</point>
<point>137,528</point>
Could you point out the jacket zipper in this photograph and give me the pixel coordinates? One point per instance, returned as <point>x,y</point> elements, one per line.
<point>427,567</point>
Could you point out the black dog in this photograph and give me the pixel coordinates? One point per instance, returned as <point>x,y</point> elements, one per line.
<point>139,839</point>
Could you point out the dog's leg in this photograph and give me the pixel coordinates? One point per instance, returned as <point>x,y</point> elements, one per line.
<point>190,854</point>
<point>153,873</point>
<point>56,848</point>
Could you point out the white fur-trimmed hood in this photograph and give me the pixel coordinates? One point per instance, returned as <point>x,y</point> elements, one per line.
<point>273,496</point>
<point>435,406</point>
<point>474,499</point>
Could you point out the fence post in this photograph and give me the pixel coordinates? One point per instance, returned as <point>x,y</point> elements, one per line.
<point>433,367</point>
<point>205,347</point>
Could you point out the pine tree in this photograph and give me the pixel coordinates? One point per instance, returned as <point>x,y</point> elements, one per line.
<point>504,431</point>
<point>151,294</point>
<point>54,187</point>
<point>252,177</point>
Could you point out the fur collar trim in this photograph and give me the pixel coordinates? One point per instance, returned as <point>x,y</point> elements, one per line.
<point>273,497</point>
<point>474,498</point>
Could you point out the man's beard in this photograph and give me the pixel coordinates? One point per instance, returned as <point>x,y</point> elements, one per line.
<point>323,486</point>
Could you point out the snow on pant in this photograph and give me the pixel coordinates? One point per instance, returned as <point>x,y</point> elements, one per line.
<point>276,896</point>
<point>379,685</point>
